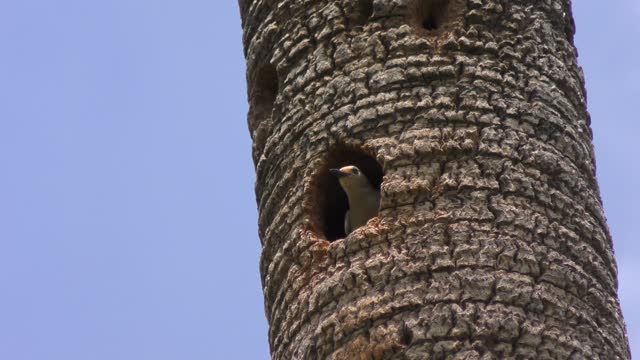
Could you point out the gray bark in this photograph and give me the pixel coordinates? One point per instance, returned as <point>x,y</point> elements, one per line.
<point>491,241</point>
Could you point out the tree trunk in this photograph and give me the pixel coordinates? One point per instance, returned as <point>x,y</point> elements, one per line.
<point>491,241</point>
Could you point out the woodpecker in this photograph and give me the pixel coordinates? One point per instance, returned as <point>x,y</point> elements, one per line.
<point>364,199</point>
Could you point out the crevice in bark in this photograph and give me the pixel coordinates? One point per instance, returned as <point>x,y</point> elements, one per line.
<point>406,335</point>
<point>330,201</point>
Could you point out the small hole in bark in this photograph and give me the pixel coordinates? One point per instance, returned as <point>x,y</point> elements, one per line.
<point>263,93</point>
<point>363,10</point>
<point>263,90</point>
<point>330,202</point>
<point>429,15</point>
<point>430,23</point>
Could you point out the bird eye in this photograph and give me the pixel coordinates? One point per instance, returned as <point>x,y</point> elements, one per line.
<point>356,171</point>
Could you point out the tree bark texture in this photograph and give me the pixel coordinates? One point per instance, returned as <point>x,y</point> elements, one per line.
<point>491,241</point>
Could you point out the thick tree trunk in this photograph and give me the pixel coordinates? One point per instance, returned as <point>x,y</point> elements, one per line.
<point>491,242</point>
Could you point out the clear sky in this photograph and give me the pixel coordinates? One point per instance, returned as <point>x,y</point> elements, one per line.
<point>127,213</point>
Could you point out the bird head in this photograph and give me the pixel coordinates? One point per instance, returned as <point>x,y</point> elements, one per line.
<point>350,177</point>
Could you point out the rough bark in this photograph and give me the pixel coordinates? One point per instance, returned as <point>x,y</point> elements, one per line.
<point>491,241</point>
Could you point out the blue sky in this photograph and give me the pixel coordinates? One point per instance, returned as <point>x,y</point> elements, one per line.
<point>128,224</point>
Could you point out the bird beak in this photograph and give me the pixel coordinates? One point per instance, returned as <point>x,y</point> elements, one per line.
<point>337,173</point>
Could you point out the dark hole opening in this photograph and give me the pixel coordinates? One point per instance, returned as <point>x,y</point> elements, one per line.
<point>264,92</point>
<point>330,199</point>
<point>363,11</point>
<point>430,14</point>
<point>430,23</point>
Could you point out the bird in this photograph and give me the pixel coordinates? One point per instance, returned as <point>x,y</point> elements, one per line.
<point>364,199</point>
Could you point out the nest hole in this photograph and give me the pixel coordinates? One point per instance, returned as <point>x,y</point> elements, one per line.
<point>362,12</point>
<point>263,93</point>
<point>430,15</point>
<point>330,201</point>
